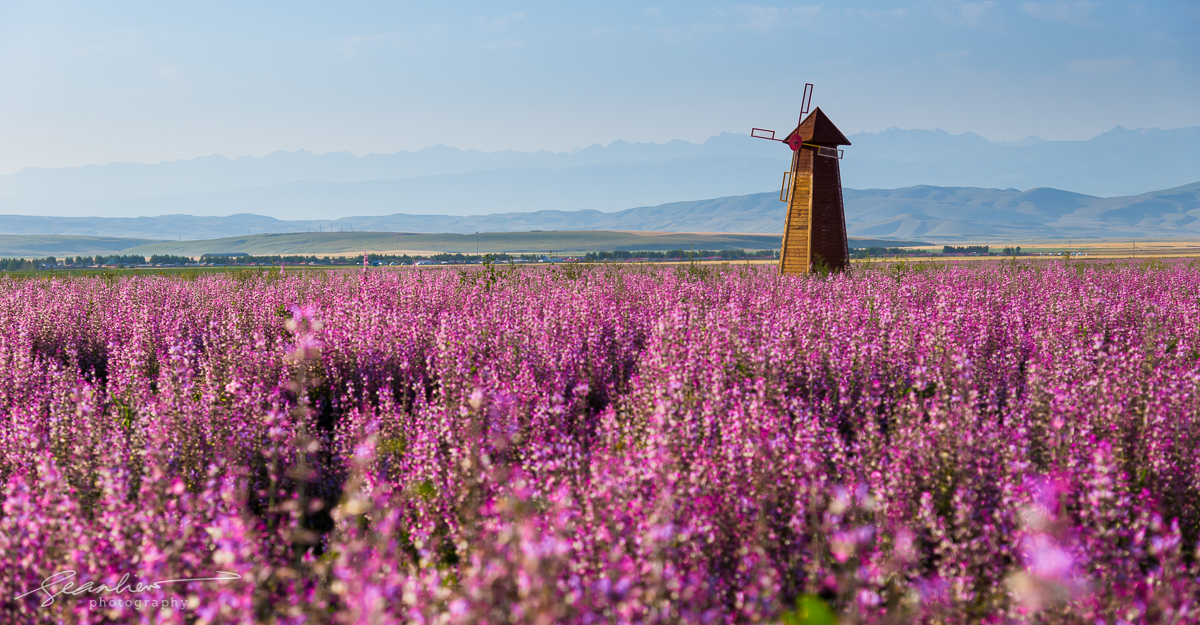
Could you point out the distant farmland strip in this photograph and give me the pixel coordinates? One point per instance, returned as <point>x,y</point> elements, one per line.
<point>340,243</point>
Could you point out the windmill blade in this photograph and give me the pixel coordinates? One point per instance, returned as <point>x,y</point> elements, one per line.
<point>763,133</point>
<point>830,152</point>
<point>825,151</point>
<point>806,100</point>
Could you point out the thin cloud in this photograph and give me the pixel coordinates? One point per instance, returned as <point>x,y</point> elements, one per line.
<point>974,13</point>
<point>505,44</point>
<point>883,17</point>
<point>352,47</point>
<point>737,18</point>
<point>741,17</point>
<point>767,17</point>
<point>687,32</point>
<point>1095,67</point>
<point>130,41</point>
<point>357,46</point>
<point>1169,65</point>
<point>948,55</point>
<point>978,14</point>
<point>502,21</point>
<point>1075,13</point>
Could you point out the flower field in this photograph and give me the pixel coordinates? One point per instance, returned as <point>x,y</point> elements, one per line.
<point>970,443</point>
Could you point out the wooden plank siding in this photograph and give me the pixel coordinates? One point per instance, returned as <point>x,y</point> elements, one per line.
<point>827,231</point>
<point>794,256</point>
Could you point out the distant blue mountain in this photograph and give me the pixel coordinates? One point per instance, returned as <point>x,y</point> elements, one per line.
<point>1118,162</point>
<point>925,212</point>
<point>447,181</point>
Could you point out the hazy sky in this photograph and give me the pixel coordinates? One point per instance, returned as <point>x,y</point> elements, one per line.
<point>94,82</point>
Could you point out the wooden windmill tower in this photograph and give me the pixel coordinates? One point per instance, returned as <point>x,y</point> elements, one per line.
<point>814,233</point>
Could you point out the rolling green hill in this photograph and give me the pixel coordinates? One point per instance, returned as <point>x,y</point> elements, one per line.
<point>43,245</point>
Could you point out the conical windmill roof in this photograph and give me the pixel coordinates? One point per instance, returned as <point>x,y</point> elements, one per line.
<point>816,128</point>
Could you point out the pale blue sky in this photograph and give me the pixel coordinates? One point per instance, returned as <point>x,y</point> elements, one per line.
<point>94,82</point>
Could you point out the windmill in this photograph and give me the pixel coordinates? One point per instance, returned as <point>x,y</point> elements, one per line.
<point>814,232</point>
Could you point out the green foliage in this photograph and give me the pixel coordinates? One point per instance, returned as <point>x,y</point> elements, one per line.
<point>20,264</point>
<point>902,268</point>
<point>572,271</point>
<point>120,259</point>
<point>982,250</point>
<point>697,272</point>
<point>821,267</point>
<point>392,447</point>
<point>863,253</point>
<point>425,490</point>
<point>170,259</point>
<point>810,610</point>
<point>488,276</point>
<point>126,415</point>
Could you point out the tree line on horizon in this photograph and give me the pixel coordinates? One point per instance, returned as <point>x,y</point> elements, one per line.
<point>133,260</point>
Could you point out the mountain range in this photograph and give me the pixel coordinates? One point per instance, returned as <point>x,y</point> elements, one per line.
<point>938,214</point>
<point>441,181</point>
